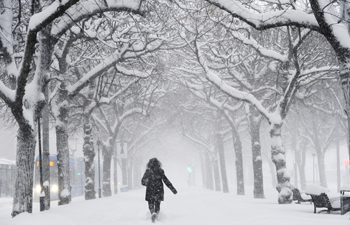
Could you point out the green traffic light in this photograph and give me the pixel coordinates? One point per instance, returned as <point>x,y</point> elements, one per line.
<point>189,169</point>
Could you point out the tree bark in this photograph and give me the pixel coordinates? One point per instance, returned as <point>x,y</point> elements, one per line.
<point>254,125</point>
<point>89,156</point>
<point>106,177</point>
<point>216,175</point>
<point>64,188</point>
<point>23,190</point>
<point>220,146</point>
<point>46,47</point>
<point>321,169</point>
<point>237,145</point>
<point>115,175</point>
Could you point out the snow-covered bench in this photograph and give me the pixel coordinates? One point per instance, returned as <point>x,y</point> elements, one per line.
<point>298,198</point>
<point>320,199</point>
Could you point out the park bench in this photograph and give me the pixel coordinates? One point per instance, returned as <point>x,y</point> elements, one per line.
<point>298,198</point>
<point>322,201</point>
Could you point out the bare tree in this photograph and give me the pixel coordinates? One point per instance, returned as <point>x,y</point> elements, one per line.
<point>319,16</point>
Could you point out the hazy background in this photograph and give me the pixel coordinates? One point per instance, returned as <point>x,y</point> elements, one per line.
<point>176,154</point>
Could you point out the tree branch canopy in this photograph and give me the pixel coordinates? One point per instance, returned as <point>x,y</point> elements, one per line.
<point>90,8</point>
<point>263,21</point>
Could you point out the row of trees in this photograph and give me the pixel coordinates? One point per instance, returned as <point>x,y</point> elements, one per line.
<point>104,66</point>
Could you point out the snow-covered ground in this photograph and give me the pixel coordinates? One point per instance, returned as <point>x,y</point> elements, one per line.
<point>192,206</point>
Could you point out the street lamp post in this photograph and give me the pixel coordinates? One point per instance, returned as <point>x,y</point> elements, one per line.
<point>99,168</point>
<point>115,177</point>
<point>313,168</point>
<point>42,193</point>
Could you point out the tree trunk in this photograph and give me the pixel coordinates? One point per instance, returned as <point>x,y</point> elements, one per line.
<point>221,150</point>
<point>64,188</point>
<point>278,157</point>
<point>106,177</point>
<point>89,156</point>
<point>209,172</point>
<point>137,173</point>
<point>216,175</point>
<point>46,48</point>
<point>301,165</point>
<point>273,173</point>
<point>23,190</point>
<point>321,169</point>
<point>237,145</point>
<point>254,125</point>
<point>115,175</point>
<point>130,168</point>
<point>204,175</point>
<point>124,172</point>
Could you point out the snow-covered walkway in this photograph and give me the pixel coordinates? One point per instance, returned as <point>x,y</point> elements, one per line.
<point>192,206</point>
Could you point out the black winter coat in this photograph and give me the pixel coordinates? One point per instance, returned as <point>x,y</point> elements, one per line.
<point>153,180</point>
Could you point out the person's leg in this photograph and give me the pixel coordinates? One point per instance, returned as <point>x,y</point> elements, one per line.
<point>157,206</point>
<point>151,206</point>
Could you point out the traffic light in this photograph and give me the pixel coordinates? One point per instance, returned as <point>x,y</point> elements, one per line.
<point>346,162</point>
<point>189,169</point>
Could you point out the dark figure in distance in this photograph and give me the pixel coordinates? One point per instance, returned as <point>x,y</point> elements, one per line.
<point>153,179</point>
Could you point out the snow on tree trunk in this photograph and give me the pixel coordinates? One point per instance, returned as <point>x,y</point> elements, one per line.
<point>254,126</point>
<point>278,157</point>
<point>23,191</point>
<point>106,177</point>
<point>220,146</point>
<point>89,156</point>
<point>64,188</point>
<point>237,145</point>
<point>273,173</point>
<point>216,174</point>
<point>209,172</point>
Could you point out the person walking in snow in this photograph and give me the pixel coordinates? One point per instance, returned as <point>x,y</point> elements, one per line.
<point>153,179</point>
